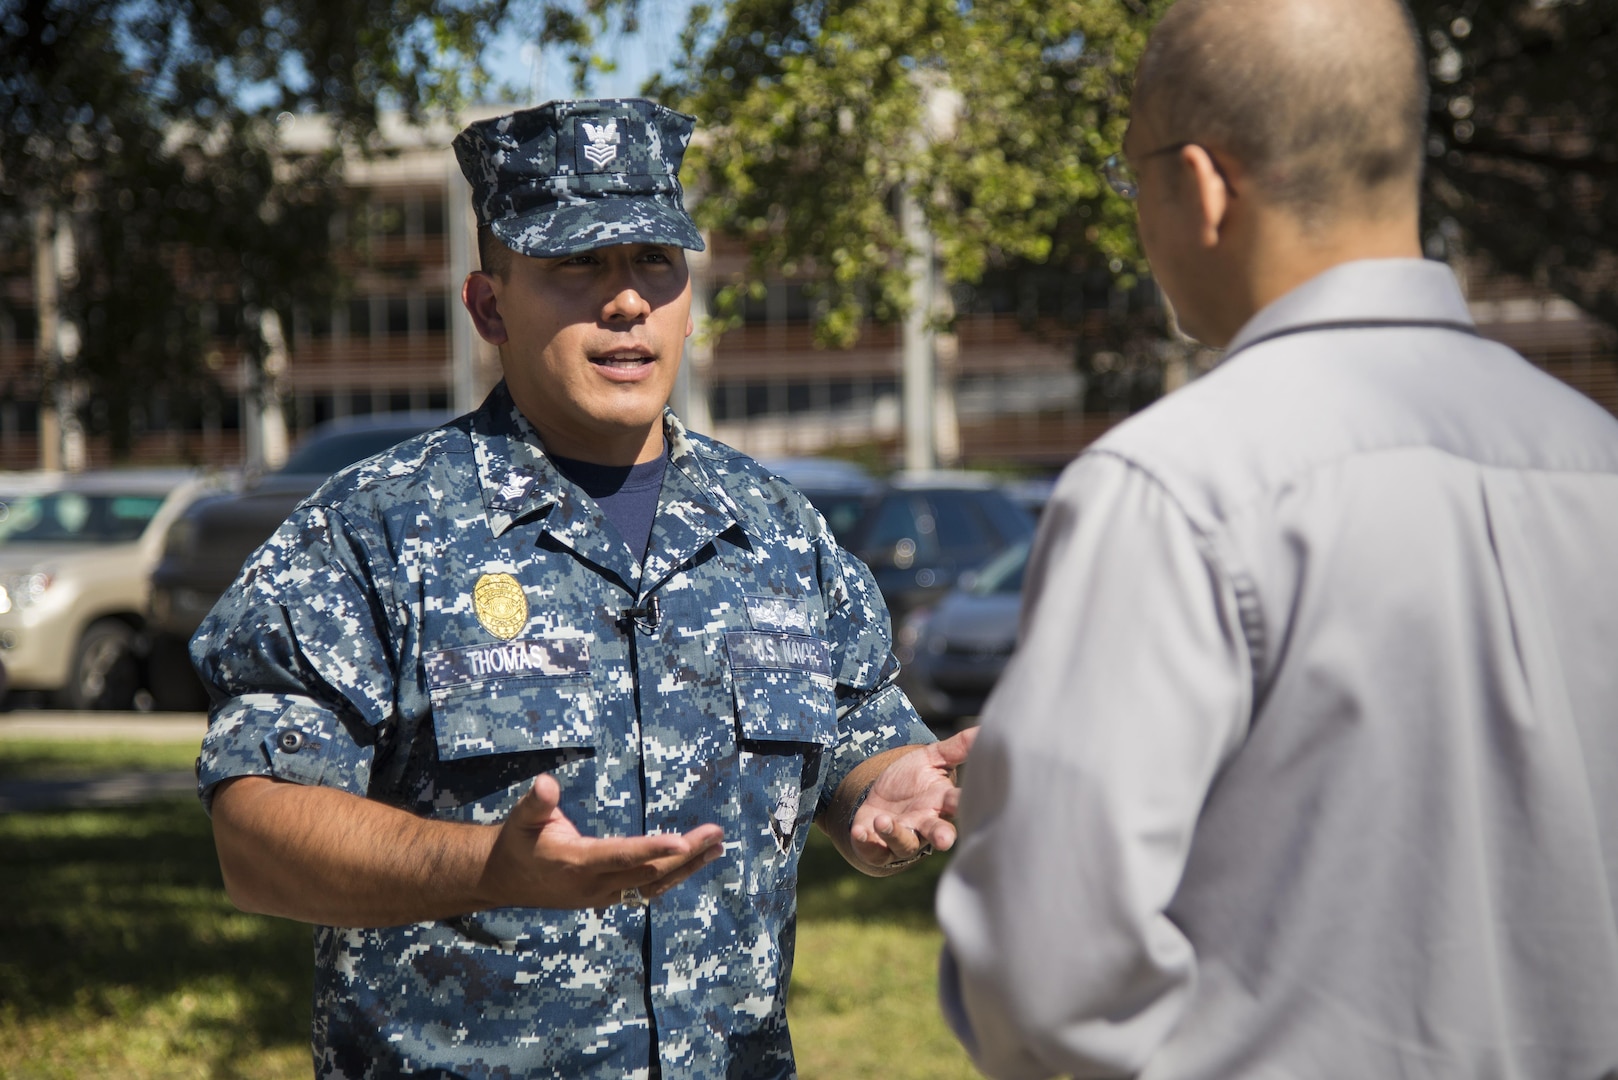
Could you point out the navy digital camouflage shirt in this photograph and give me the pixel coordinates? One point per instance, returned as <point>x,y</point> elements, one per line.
<point>441,622</point>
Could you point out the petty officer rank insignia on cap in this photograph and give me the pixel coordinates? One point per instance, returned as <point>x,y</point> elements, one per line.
<point>500,605</point>
<point>600,143</point>
<point>570,176</point>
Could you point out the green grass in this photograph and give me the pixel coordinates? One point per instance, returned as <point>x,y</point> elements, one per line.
<point>42,759</point>
<point>120,956</point>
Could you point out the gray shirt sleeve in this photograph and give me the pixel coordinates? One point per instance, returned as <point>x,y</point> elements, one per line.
<point>1130,687</point>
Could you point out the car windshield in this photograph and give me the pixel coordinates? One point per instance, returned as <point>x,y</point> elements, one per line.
<point>75,517</point>
<point>1001,574</point>
<point>841,509</point>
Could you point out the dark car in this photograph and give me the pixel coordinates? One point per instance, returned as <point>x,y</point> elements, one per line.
<point>919,534</point>
<point>840,490</point>
<point>952,654</point>
<point>207,545</point>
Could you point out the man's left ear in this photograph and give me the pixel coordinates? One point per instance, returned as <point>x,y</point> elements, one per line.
<point>1211,191</point>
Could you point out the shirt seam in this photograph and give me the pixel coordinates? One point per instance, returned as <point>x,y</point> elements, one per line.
<point>1243,585</point>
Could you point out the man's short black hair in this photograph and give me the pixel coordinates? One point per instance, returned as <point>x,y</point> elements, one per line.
<point>493,256</point>
<point>1324,102</point>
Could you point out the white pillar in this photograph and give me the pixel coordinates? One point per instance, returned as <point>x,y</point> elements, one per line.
<point>70,396</point>
<point>46,300</point>
<point>462,241</point>
<point>61,435</point>
<point>690,398</point>
<point>263,419</point>
<point>918,394</point>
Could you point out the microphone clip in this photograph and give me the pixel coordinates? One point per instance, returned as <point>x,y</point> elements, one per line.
<point>645,617</point>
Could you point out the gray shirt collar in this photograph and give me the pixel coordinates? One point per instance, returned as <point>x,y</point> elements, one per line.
<point>1371,291</point>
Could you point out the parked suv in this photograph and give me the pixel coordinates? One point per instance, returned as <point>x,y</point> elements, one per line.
<point>76,553</point>
<point>207,545</point>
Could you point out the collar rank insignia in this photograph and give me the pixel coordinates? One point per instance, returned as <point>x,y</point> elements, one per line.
<point>500,605</point>
<point>515,487</point>
<point>603,148</point>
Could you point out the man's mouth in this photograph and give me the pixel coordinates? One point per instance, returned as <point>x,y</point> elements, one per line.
<point>622,361</point>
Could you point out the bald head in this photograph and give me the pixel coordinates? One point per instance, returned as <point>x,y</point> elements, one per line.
<point>1323,102</point>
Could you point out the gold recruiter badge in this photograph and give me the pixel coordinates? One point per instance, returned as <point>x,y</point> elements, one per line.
<point>501,606</point>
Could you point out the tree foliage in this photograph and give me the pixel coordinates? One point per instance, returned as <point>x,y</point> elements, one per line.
<point>817,119</point>
<point>1523,156</point>
<point>146,128</point>
<point>995,116</point>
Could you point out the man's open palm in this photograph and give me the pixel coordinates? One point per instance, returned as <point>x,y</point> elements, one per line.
<point>541,860</point>
<point>912,803</point>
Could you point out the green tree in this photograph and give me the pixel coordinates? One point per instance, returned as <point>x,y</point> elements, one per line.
<point>816,115</point>
<point>1523,155</point>
<point>994,115</point>
<point>147,128</point>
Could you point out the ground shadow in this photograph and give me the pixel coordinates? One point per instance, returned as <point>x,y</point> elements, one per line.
<point>111,908</point>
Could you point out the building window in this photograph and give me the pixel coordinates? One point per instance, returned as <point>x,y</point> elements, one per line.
<point>432,216</point>
<point>755,310</point>
<point>359,317</point>
<point>398,315</point>
<point>20,325</point>
<point>800,398</point>
<point>389,219</point>
<point>26,414</point>
<point>437,314</point>
<point>227,321</point>
<point>321,408</point>
<point>756,399</point>
<point>745,400</point>
<point>318,321</point>
<point>797,305</point>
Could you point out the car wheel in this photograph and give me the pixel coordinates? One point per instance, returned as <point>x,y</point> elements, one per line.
<point>105,672</point>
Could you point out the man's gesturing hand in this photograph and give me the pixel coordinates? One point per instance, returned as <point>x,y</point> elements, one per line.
<point>539,859</point>
<point>911,802</point>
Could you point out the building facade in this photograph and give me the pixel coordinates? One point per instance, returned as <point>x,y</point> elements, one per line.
<point>1038,364</point>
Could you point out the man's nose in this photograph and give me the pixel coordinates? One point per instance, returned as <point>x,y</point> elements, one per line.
<point>628,304</point>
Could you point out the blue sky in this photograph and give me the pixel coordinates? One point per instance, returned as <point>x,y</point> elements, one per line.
<point>536,76</point>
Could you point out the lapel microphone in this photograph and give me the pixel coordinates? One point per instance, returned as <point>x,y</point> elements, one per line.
<point>645,617</point>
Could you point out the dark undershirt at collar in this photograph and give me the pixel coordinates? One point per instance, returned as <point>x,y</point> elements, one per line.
<point>627,494</point>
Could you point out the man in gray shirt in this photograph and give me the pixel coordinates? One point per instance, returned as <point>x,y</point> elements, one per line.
<point>1307,764</point>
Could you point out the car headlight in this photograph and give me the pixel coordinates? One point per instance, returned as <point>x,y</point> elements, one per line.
<point>21,591</point>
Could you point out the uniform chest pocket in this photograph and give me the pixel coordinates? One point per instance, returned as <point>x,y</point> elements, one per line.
<point>501,713</point>
<point>786,719</point>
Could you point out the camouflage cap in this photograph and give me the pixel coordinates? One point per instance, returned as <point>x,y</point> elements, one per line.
<point>569,176</point>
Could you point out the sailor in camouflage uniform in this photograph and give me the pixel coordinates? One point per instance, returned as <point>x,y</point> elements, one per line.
<point>693,675</point>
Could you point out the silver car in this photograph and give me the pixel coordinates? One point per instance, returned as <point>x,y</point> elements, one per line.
<point>76,555</point>
<point>953,653</point>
